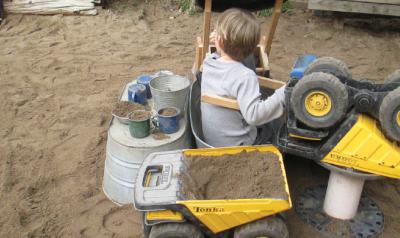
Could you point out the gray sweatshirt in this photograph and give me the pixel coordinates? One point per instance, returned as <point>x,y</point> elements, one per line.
<point>228,127</point>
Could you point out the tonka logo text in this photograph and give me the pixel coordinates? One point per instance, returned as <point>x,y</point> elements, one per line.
<point>208,209</point>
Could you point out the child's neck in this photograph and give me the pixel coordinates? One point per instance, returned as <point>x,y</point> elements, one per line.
<point>226,57</point>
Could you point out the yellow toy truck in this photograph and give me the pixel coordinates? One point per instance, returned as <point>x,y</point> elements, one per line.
<point>168,213</point>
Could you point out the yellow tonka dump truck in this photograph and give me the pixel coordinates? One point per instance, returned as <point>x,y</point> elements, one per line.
<point>333,118</point>
<point>169,213</point>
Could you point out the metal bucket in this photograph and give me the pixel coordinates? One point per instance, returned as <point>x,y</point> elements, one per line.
<point>125,154</point>
<point>195,115</point>
<point>170,91</point>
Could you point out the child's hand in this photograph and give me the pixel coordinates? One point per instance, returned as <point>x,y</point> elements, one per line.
<point>213,37</point>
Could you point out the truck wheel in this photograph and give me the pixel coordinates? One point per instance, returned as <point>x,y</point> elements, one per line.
<point>331,66</point>
<point>389,115</point>
<point>394,77</point>
<point>175,230</point>
<point>272,227</point>
<point>319,100</point>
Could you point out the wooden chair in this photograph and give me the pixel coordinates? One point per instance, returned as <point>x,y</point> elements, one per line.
<point>261,54</point>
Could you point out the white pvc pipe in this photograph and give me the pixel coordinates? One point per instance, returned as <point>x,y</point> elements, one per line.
<point>343,195</point>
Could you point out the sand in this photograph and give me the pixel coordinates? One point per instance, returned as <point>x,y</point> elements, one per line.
<point>239,176</point>
<point>139,116</point>
<point>122,109</point>
<point>157,135</point>
<point>61,76</point>
<point>168,112</point>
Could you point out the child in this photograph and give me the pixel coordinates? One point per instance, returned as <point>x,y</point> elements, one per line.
<point>236,37</point>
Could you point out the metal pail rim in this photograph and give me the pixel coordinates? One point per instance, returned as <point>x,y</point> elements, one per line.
<point>169,76</point>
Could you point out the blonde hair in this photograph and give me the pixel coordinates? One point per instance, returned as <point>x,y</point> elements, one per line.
<point>240,32</point>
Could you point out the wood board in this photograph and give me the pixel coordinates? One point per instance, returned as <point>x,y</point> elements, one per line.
<point>394,2</point>
<point>49,7</point>
<point>389,8</point>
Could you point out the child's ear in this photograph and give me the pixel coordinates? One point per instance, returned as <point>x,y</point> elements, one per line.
<point>220,41</point>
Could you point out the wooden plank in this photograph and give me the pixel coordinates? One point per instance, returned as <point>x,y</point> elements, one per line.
<point>198,61</point>
<point>264,58</point>
<point>270,83</point>
<point>206,27</point>
<point>274,23</point>
<point>394,2</point>
<point>232,103</point>
<point>220,101</point>
<point>48,7</point>
<point>355,7</point>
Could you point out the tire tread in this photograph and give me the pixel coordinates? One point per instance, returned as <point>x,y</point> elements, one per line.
<point>329,65</point>
<point>168,230</point>
<point>390,103</point>
<point>320,81</point>
<point>272,227</point>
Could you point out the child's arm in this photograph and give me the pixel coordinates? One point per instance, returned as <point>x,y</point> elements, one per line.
<point>254,110</point>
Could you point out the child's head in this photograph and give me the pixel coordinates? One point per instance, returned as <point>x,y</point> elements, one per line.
<point>238,32</point>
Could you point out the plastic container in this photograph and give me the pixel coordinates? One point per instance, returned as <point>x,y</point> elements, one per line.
<point>145,80</point>
<point>301,65</point>
<point>168,124</point>
<point>137,93</point>
<point>170,91</point>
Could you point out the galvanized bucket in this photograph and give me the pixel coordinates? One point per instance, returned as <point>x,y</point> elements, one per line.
<point>125,155</point>
<point>170,91</point>
<point>195,115</point>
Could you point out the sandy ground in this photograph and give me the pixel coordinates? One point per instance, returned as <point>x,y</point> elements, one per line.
<point>59,77</point>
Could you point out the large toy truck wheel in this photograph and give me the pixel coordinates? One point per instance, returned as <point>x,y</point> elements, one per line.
<point>175,230</point>
<point>389,115</point>
<point>319,100</point>
<point>394,77</point>
<point>272,227</point>
<point>331,66</point>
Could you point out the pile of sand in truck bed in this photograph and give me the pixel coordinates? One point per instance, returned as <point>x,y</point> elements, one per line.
<point>238,176</point>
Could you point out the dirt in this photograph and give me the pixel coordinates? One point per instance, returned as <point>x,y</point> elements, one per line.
<point>123,108</point>
<point>139,116</point>
<point>339,228</point>
<point>60,77</point>
<point>239,176</point>
<point>168,112</point>
<point>157,135</point>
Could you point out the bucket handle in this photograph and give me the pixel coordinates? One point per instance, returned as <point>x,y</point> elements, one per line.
<point>155,122</point>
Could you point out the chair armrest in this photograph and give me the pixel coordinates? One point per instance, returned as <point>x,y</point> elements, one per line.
<point>270,83</point>
<point>220,101</point>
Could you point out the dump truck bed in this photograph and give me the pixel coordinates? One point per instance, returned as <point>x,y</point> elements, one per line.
<point>159,187</point>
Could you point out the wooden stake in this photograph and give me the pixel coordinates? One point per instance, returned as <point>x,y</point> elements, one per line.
<point>206,27</point>
<point>275,18</point>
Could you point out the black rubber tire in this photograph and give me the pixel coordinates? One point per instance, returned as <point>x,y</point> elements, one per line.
<point>175,230</point>
<point>272,227</point>
<point>329,65</point>
<point>145,228</point>
<point>388,112</point>
<point>394,77</point>
<point>328,84</point>
<point>221,5</point>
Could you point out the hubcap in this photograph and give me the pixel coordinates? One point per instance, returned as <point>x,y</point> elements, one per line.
<point>318,103</point>
<point>398,119</point>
